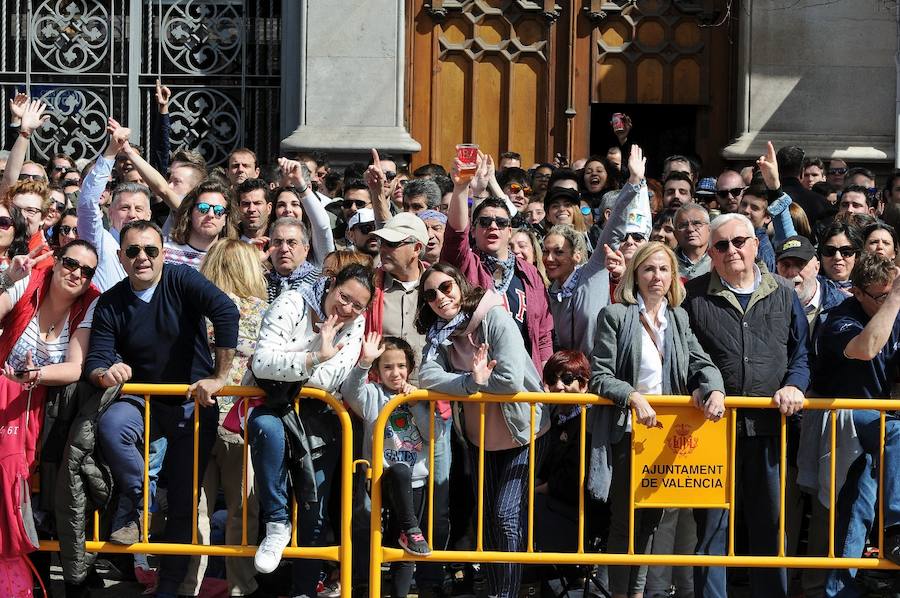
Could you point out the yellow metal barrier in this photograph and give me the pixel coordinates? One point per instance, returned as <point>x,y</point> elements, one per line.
<point>341,553</point>
<point>381,554</point>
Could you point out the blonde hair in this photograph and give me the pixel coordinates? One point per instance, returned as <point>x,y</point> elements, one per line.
<point>344,257</point>
<point>626,292</point>
<point>536,248</point>
<point>234,267</point>
<point>576,239</point>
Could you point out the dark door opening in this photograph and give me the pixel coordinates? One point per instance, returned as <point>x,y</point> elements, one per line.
<point>660,130</point>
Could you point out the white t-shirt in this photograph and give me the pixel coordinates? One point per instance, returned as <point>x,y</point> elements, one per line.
<point>42,352</point>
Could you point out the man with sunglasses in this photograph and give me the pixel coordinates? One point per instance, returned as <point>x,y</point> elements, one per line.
<point>790,168</point>
<point>729,190</point>
<point>151,327</point>
<point>753,327</point>
<point>515,185</point>
<point>857,354</point>
<point>491,264</point>
<point>359,232</point>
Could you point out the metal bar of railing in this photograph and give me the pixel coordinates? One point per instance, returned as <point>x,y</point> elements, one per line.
<point>732,480</point>
<point>530,545</point>
<point>245,450</point>
<point>479,525</point>
<point>582,455</point>
<point>145,534</point>
<point>195,466</point>
<point>782,485</point>
<point>831,482</point>
<point>431,469</point>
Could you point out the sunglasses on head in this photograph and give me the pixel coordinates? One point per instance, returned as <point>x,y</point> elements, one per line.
<point>516,187</point>
<point>132,251</point>
<point>487,221</point>
<point>738,242</point>
<point>365,228</point>
<point>845,251</point>
<point>396,244</point>
<point>6,222</point>
<point>71,264</point>
<point>204,208</point>
<point>567,378</point>
<point>67,230</point>
<point>349,203</point>
<point>431,294</point>
<point>733,192</point>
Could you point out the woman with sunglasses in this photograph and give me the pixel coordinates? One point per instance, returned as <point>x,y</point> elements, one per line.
<point>473,345</point>
<point>310,337</point>
<point>46,316</point>
<point>13,235</point>
<point>644,346</point>
<point>206,215</point>
<point>66,229</point>
<point>841,244</point>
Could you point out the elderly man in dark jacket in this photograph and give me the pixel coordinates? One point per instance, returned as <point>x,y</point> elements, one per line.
<point>754,329</point>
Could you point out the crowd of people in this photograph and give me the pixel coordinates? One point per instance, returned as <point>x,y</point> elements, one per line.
<point>774,280</point>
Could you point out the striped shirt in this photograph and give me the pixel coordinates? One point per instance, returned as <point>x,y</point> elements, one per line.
<point>177,253</point>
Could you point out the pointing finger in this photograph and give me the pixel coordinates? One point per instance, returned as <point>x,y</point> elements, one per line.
<point>376,161</point>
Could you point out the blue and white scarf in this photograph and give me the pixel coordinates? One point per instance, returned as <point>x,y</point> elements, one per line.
<point>440,331</point>
<point>568,288</point>
<point>314,296</point>
<point>509,269</point>
<point>304,274</point>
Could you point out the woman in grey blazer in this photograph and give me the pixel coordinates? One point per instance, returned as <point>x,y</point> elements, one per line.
<point>643,345</point>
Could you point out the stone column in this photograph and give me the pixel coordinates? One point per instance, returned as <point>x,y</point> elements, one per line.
<point>347,59</point>
<point>820,75</point>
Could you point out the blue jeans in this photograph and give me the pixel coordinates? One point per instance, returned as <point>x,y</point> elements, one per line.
<point>126,510</point>
<point>757,475</point>
<point>120,431</point>
<point>267,449</point>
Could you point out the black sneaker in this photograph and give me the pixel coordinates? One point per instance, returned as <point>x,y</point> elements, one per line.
<point>892,545</point>
<point>414,542</point>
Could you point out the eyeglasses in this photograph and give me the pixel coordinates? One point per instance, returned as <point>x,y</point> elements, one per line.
<point>291,243</point>
<point>879,299</point>
<point>365,228</point>
<point>396,244</point>
<point>32,177</point>
<point>837,171</point>
<point>30,211</point>
<point>430,295</point>
<point>70,265</point>
<point>354,305</point>
<point>358,203</point>
<point>6,222</point>
<point>846,251</point>
<point>738,242</point>
<point>487,221</point>
<point>567,378</point>
<point>57,206</point>
<point>733,192</point>
<point>635,237</point>
<point>204,208</point>
<point>132,251</point>
<point>516,188</point>
<point>67,230</point>
<point>688,224</point>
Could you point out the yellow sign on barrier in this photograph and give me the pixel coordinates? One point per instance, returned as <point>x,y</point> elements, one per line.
<point>682,463</point>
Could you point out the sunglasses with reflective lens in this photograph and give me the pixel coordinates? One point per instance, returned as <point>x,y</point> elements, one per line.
<point>487,221</point>
<point>204,208</point>
<point>71,264</point>
<point>846,251</point>
<point>738,242</point>
<point>6,222</point>
<point>349,203</point>
<point>132,251</point>
<point>566,378</point>
<point>431,294</point>
<point>67,230</point>
<point>586,210</point>
<point>516,187</point>
<point>733,192</point>
<point>837,171</point>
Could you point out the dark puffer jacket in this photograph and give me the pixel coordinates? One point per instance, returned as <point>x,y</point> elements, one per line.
<point>84,482</point>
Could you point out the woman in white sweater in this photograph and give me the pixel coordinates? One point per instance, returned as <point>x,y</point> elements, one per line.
<point>311,337</point>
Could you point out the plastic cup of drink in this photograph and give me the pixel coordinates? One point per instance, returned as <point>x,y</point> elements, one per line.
<point>467,154</point>
<point>618,122</point>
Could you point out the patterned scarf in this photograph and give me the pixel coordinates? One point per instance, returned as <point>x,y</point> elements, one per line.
<point>509,269</point>
<point>314,296</point>
<point>568,289</point>
<point>305,274</point>
<point>440,331</point>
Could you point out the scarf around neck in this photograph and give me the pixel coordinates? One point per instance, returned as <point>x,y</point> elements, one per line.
<point>314,296</point>
<point>509,269</point>
<point>304,273</point>
<point>440,331</point>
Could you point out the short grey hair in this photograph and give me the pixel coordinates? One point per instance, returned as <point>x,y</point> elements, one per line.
<point>132,188</point>
<point>575,238</point>
<point>724,219</point>
<point>290,221</point>
<point>426,187</point>
<point>691,206</point>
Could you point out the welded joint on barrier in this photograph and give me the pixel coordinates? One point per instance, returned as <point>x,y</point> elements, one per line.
<point>362,463</point>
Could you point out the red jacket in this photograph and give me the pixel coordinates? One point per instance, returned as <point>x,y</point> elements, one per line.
<point>457,252</point>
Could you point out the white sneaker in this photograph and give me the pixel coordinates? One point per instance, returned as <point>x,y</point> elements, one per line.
<point>268,555</point>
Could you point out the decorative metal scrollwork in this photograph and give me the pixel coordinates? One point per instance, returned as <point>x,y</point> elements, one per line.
<point>77,124</point>
<point>205,120</point>
<point>70,36</point>
<point>202,38</point>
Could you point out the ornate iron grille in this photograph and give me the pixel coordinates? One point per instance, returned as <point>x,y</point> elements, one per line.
<point>92,58</point>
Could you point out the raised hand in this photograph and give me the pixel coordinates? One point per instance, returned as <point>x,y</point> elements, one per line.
<point>375,178</point>
<point>768,166</point>
<point>615,263</point>
<point>17,107</point>
<point>372,349</point>
<point>327,331</point>
<point>118,135</point>
<point>483,174</point>
<point>463,180</point>
<point>22,265</point>
<point>33,116</point>
<point>292,170</point>
<point>482,367</point>
<point>637,165</point>
<point>163,95</point>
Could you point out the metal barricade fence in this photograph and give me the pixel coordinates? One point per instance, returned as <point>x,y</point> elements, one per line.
<point>381,554</point>
<point>340,553</point>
